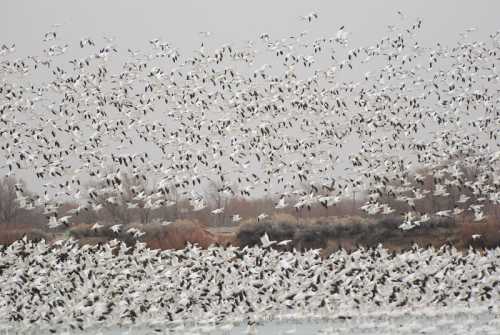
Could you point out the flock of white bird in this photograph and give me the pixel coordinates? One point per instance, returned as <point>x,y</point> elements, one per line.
<point>296,118</point>
<point>71,288</point>
<point>307,120</point>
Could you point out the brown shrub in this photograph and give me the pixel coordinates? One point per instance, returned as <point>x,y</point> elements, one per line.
<point>92,240</point>
<point>489,234</point>
<point>173,236</point>
<point>81,231</point>
<point>9,236</point>
<point>345,232</point>
<point>177,235</point>
<point>283,217</point>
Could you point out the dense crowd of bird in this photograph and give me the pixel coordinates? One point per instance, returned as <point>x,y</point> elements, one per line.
<point>307,120</point>
<point>67,287</point>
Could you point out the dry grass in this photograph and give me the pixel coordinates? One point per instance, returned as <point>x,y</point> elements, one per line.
<point>157,236</point>
<point>283,217</point>
<point>177,235</point>
<point>12,232</point>
<point>489,234</point>
<point>327,233</point>
<point>7,237</point>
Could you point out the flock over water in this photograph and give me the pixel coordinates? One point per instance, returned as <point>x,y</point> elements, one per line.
<point>305,120</point>
<point>72,288</point>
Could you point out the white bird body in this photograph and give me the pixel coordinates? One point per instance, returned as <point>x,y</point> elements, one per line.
<point>479,216</point>
<point>262,216</point>
<point>115,228</point>
<point>281,204</point>
<point>446,213</point>
<point>218,211</point>
<point>96,226</point>
<point>265,241</point>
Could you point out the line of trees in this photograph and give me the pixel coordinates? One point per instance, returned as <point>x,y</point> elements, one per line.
<point>131,202</point>
<point>11,210</point>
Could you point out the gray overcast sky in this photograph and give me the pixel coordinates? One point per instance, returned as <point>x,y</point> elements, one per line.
<point>134,22</point>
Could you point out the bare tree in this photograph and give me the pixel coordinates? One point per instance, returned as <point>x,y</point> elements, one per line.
<point>131,199</point>
<point>217,199</point>
<point>9,205</point>
<point>169,211</point>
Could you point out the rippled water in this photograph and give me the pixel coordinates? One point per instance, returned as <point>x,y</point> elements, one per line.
<point>446,322</point>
